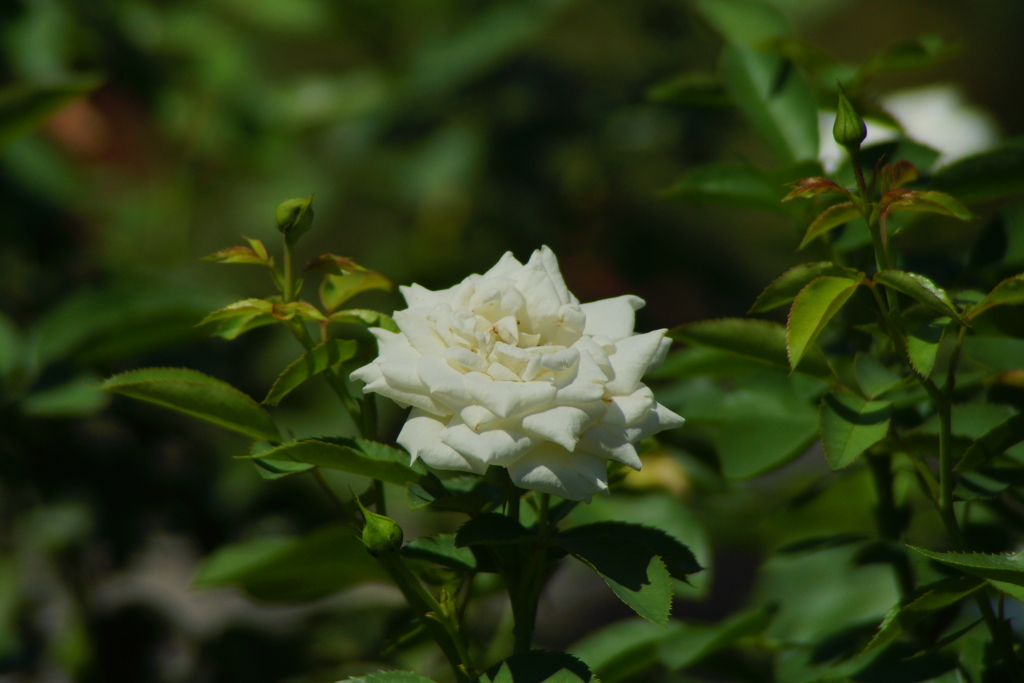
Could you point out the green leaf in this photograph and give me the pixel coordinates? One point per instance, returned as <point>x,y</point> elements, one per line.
<point>255,254</point>
<point>850,425</point>
<point>78,397</point>
<point>918,53</point>
<point>697,361</point>
<point>119,320</point>
<point>738,186</point>
<point>922,604</point>
<point>355,456</point>
<point>539,666</point>
<point>693,88</point>
<point>744,22</point>
<point>634,571</point>
<point>441,549</point>
<point>1008,567</point>
<point>902,201</point>
<point>785,288</point>
<point>329,354</point>
<point>240,309</point>
<point>775,98</point>
<point>813,307</point>
<point>990,175</point>
<point>832,217</point>
<point>993,443</point>
<point>491,529</point>
<point>389,677</point>
<point>758,340</point>
<point>24,108</point>
<point>318,564</point>
<point>996,352</point>
<point>337,289</point>
<point>365,316</point>
<point>623,650</point>
<point>923,345</point>
<point>753,429</point>
<point>873,377</point>
<point>920,288</point>
<point>691,643</point>
<point>679,560</point>
<point>1009,292</point>
<point>193,393</point>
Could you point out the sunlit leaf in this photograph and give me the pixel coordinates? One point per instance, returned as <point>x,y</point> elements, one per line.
<point>812,187</point>
<point>365,316</point>
<point>328,355</point>
<point>920,288</point>
<point>850,425</point>
<point>873,377</point>
<point>832,217</point>
<point>758,340</point>
<point>193,393</point>
<point>1009,292</point>
<point>993,443</point>
<point>901,201</point>
<point>923,345</point>
<point>355,456</point>
<point>1007,567</point>
<point>785,288</point>
<point>813,307</point>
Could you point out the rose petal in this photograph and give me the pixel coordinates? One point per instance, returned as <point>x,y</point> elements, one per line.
<point>613,318</point>
<point>494,446</point>
<point>421,436</point>
<point>587,386</point>
<point>552,469</point>
<point>610,442</point>
<point>505,399</point>
<point>406,398</point>
<point>418,331</point>
<point>561,424</point>
<point>625,410</point>
<point>445,384</point>
<point>630,360</point>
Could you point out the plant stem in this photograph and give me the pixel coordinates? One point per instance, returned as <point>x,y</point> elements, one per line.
<point>888,517</point>
<point>288,292</point>
<point>439,625</point>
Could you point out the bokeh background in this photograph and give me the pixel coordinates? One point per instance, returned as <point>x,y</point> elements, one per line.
<point>435,134</point>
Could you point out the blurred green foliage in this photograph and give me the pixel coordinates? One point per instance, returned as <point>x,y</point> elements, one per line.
<point>435,134</point>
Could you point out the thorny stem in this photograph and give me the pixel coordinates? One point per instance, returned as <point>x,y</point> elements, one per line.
<point>440,625</point>
<point>943,402</point>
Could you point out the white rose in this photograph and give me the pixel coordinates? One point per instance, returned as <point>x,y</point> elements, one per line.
<point>508,368</point>
<point>937,115</point>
